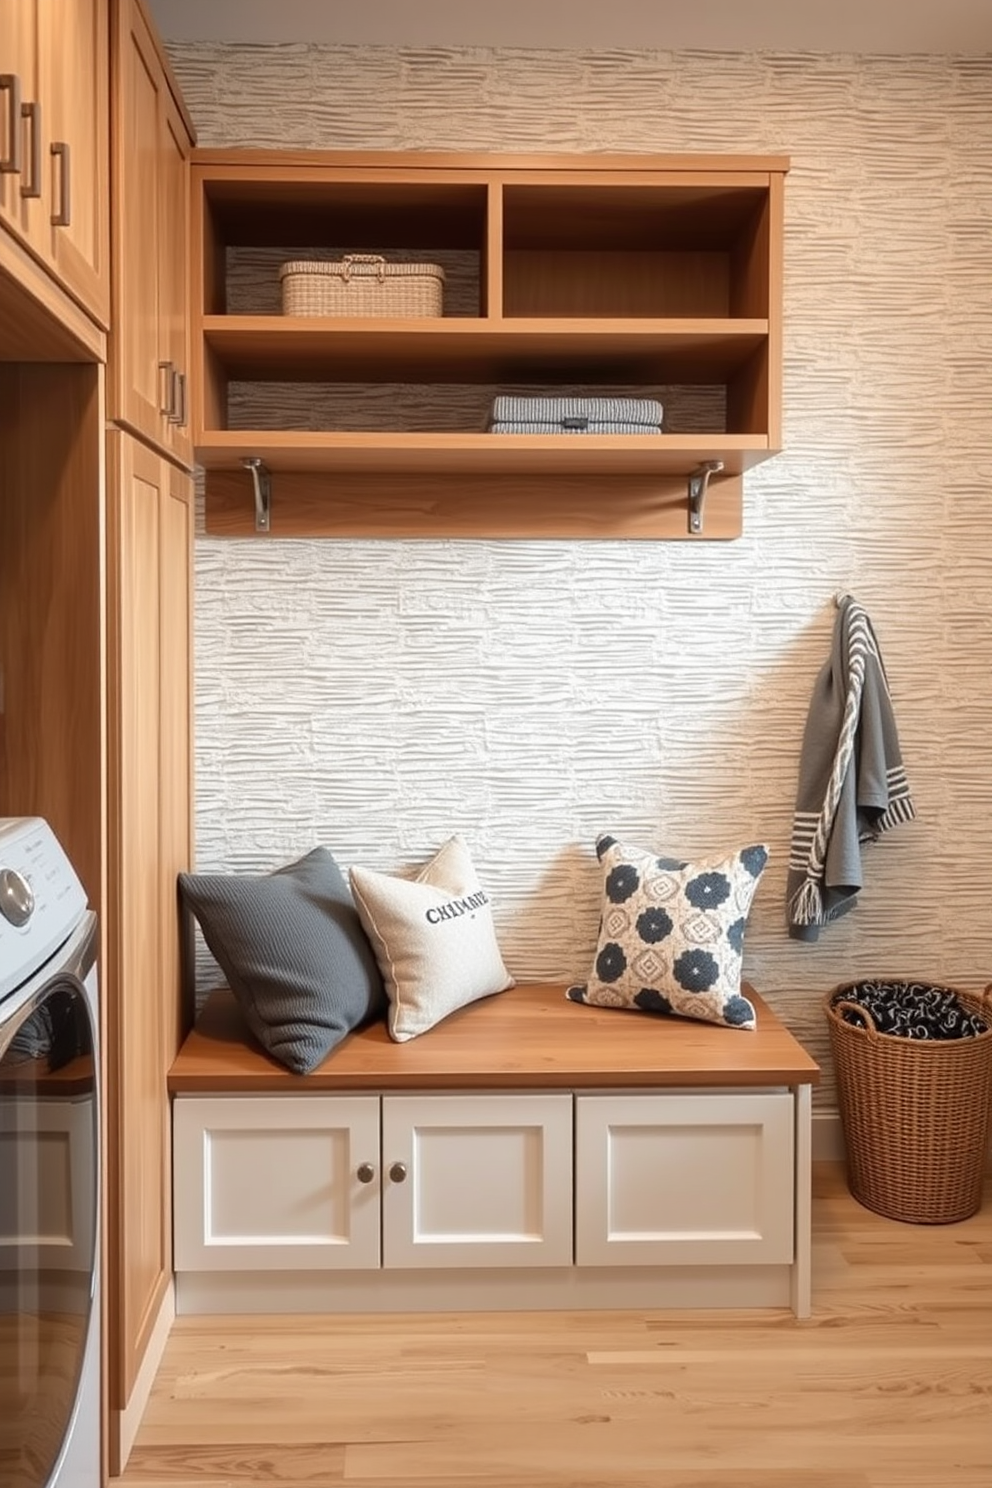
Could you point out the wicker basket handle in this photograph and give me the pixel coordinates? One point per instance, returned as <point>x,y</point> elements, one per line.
<point>868,1024</point>
<point>362,258</point>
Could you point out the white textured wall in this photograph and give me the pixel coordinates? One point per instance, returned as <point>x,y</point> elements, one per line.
<point>376,696</point>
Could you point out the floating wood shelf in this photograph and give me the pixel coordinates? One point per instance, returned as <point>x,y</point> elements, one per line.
<point>605,274</point>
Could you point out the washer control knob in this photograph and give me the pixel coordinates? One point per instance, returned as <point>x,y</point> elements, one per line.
<point>16,898</point>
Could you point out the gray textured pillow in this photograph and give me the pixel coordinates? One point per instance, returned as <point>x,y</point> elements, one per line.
<point>294,953</point>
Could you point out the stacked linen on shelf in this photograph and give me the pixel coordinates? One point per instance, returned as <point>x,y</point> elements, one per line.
<point>511,415</point>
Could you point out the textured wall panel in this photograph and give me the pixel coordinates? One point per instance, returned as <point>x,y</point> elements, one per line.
<point>377,696</point>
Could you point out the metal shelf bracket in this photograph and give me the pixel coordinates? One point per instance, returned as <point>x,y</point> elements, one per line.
<point>261,483</point>
<point>699,480</point>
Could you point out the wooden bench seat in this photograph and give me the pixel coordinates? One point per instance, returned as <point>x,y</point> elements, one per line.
<point>528,1037</point>
<point>526,1152</point>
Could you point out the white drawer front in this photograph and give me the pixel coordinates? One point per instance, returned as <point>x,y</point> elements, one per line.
<point>487,1180</point>
<point>273,1182</point>
<point>684,1179</point>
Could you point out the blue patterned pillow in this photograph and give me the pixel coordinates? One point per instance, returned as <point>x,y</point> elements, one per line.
<point>671,936</point>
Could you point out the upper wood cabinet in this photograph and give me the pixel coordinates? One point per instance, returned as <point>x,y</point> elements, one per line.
<point>54,152</point>
<point>152,137</point>
<point>654,276</point>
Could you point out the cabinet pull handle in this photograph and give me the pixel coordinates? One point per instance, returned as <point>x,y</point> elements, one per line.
<point>168,407</point>
<point>10,84</point>
<point>365,1172</point>
<point>398,1172</point>
<point>175,414</point>
<point>180,417</point>
<point>32,111</point>
<point>63,217</point>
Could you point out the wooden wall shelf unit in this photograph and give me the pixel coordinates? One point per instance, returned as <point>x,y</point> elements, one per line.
<point>582,275</point>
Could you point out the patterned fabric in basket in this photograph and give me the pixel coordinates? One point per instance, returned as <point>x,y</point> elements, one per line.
<point>914,1010</point>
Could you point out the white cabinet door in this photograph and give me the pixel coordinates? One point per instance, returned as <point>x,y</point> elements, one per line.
<point>276,1182</point>
<point>684,1179</point>
<point>477,1180</point>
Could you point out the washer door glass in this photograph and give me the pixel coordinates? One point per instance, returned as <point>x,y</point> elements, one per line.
<point>48,1225</point>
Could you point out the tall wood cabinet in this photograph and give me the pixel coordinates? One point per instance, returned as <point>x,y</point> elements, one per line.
<point>96,523</point>
<point>149,561</point>
<point>54,162</point>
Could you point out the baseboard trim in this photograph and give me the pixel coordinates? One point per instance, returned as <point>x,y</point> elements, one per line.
<point>516,1289</point>
<point>124,1424</point>
<point>828,1137</point>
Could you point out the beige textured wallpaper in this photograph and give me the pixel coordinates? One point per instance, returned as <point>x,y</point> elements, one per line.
<point>377,696</point>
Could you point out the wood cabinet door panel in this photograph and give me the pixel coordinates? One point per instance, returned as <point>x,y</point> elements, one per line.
<point>149,353</point>
<point>176,725</point>
<point>74,45</point>
<point>174,272</point>
<point>22,215</point>
<point>137,387</point>
<point>139,1018</point>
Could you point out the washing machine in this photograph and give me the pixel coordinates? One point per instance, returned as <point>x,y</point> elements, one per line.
<point>49,1167</point>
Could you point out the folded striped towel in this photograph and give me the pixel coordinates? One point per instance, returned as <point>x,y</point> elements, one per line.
<point>574,426</point>
<point>575,415</point>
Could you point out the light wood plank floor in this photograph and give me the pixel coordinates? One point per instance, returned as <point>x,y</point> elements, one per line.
<point>888,1385</point>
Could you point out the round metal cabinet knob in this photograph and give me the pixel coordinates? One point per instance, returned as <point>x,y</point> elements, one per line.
<point>398,1172</point>
<point>16,897</point>
<point>365,1172</point>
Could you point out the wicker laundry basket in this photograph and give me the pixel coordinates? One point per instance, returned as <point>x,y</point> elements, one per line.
<point>361,284</point>
<point>915,1113</point>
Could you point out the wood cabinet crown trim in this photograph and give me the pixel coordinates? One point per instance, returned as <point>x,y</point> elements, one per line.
<point>489,161</point>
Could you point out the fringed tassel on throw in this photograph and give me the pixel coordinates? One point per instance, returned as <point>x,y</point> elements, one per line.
<point>806,906</point>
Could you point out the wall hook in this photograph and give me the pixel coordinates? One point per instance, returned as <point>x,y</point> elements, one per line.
<point>262,488</point>
<point>699,479</point>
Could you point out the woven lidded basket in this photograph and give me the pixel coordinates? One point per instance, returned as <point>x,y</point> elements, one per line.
<point>915,1112</point>
<point>361,284</point>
